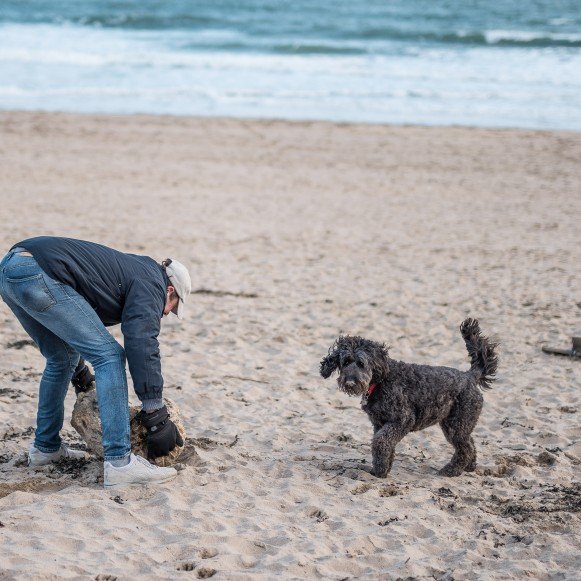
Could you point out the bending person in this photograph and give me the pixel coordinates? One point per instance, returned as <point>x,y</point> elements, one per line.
<point>65,293</point>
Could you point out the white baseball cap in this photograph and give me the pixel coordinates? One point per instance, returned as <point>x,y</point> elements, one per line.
<point>179,278</point>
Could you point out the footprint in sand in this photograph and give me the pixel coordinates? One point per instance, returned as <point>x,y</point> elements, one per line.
<point>319,514</point>
<point>207,553</point>
<point>186,567</point>
<point>389,490</point>
<point>362,488</point>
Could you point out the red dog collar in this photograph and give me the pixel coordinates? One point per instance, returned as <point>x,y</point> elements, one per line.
<point>371,389</point>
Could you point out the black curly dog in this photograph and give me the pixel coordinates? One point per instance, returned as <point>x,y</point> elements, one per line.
<point>403,397</point>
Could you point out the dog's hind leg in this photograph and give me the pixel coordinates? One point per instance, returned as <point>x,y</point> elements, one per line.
<point>383,448</point>
<point>457,428</point>
<point>471,466</point>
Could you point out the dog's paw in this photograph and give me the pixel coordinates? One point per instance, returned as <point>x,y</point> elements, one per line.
<point>379,473</point>
<point>450,470</point>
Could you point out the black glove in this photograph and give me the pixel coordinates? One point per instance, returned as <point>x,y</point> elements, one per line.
<point>162,434</point>
<point>82,379</point>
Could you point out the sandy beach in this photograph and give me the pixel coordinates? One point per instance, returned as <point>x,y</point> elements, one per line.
<point>295,233</point>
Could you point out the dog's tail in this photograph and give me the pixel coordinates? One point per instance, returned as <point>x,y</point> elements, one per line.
<point>482,353</point>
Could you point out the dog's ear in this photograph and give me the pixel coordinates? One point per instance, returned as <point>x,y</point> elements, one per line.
<point>380,361</point>
<point>330,363</point>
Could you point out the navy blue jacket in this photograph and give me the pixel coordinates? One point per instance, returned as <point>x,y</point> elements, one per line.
<point>122,288</point>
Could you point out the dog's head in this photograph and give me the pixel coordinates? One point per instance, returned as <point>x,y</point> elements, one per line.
<point>360,363</point>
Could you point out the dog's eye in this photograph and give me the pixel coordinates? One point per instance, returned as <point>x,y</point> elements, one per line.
<point>347,361</point>
<point>360,365</point>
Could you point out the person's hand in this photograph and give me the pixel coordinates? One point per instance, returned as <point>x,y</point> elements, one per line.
<point>162,433</point>
<point>83,379</point>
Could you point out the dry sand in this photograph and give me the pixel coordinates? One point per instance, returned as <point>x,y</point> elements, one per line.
<point>295,232</point>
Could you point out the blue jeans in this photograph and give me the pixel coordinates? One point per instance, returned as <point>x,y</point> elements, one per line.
<point>63,325</point>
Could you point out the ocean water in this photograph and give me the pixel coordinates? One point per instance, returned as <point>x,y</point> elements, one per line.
<point>493,63</point>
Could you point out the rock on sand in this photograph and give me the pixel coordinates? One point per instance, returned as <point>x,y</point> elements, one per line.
<point>85,420</point>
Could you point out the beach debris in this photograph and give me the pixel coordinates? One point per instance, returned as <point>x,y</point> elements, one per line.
<point>389,490</point>
<point>575,350</point>
<point>85,420</point>
<point>533,504</point>
<point>14,434</point>
<point>546,459</point>
<point>12,394</point>
<point>73,467</point>
<point>443,491</point>
<point>384,523</point>
<point>222,293</point>
<point>20,344</point>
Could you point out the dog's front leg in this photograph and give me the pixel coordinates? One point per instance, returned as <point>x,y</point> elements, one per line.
<point>383,448</point>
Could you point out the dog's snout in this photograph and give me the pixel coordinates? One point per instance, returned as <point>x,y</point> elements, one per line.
<point>350,383</point>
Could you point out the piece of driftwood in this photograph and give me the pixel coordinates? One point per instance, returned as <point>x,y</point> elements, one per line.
<point>574,351</point>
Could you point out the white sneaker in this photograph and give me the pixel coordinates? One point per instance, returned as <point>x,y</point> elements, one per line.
<point>38,458</point>
<point>138,471</point>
